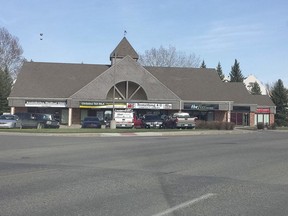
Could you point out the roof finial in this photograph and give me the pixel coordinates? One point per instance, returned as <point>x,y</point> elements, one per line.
<point>125,32</point>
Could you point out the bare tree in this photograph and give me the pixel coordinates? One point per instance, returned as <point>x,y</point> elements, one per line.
<point>10,53</point>
<point>268,87</point>
<point>168,57</point>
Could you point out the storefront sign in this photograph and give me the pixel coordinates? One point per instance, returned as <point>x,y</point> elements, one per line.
<point>241,108</point>
<point>149,106</point>
<point>201,106</point>
<point>45,104</point>
<point>99,105</point>
<point>263,110</point>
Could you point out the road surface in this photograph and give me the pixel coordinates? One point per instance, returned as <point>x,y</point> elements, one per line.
<point>234,174</point>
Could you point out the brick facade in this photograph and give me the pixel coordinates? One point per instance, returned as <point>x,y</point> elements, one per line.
<point>76,116</point>
<point>252,119</point>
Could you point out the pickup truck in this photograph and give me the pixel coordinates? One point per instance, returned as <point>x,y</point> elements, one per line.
<point>152,121</point>
<point>124,118</point>
<point>180,120</point>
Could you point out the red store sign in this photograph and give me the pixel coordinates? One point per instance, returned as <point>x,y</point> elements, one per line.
<point>263,110</point>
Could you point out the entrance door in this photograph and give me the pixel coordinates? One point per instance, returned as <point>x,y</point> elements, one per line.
<point>64,116</point>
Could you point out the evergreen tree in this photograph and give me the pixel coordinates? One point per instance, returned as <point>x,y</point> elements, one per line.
<point>255,89</point>
<point>236,74</point>
<point>203,65</point>
<point>280,99</point>
<point>5,89</point>
<point>219,71</point>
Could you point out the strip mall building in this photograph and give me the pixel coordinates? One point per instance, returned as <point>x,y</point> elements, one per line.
<point>74,91</point>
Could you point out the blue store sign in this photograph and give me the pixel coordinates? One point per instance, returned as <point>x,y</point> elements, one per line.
<point>201,106</point>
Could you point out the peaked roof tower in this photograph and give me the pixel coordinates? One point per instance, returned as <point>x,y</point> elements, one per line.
<point>123,49</point>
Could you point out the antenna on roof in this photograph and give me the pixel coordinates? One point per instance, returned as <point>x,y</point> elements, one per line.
<point>125,32</point>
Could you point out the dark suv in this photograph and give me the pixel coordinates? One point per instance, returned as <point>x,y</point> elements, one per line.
<point>28,120</point>
<point>37,120</point>
<point>47,120</point>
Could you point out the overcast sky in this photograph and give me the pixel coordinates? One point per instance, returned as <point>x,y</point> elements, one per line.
<point>75,31</point>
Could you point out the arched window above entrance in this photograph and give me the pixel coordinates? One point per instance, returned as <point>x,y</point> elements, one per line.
<point>127,90</point>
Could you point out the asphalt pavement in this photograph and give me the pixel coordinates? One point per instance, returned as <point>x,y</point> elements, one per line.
<point>218,174</point>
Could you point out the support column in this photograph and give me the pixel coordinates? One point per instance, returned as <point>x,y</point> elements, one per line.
<point>12,110</point>
<point>229,116</point>
<point>229,112</point>
<point>70,117</point>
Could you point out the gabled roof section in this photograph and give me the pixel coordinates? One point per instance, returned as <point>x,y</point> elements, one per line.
<point>53,80</point>
<point>123,49</point>
<point>204,84</point>
<point>237,92</point>
<point>198,84</point>
<point>127,69</point>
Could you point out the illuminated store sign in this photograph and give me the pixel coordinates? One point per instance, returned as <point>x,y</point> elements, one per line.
<point>45,104</point>
<point>263,110</point>
<point>99,105</point>
<point>149,106</point>
<point>201,106</point>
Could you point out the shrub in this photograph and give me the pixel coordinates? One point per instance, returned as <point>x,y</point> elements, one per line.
<point>273,126</point>
<point>215,125</point>
<point>260,126</point>
<point>230,125</point>
<point>201,124</point>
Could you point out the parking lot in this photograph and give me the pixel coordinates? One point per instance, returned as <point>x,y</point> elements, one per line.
<point>216,174</point>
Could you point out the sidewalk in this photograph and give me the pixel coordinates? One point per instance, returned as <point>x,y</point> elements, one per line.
<point>149,132</point>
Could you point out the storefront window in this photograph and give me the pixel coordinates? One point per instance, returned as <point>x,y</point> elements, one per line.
<point>262,118</point>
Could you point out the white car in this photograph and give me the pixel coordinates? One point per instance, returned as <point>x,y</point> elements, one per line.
<point>10,121</point>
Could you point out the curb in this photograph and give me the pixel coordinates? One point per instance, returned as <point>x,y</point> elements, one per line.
<point>134,134</point>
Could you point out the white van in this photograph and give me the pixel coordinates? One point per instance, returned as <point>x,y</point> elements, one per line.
<point>124,118</point>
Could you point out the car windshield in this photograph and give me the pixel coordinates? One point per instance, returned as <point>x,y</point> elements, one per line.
<point>91,119</point>
<point>152,117</point>
<point>7,117</point>
<point>46,117</point>
<point>182,116</point>
<point>123,115</point>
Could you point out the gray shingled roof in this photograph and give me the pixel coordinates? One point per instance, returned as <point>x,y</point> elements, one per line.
<point>197,84</point>
<point>123,49</point>
<point>202,84</point>
<point>238,93</point>
<point>54,80</point>
<point>58,80</point>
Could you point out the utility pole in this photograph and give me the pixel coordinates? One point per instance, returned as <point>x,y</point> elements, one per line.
<point>113,122</point>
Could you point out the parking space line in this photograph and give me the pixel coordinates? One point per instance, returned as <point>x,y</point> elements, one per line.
<point>185,204</point>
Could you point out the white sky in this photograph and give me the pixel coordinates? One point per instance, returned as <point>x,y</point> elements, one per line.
<point>253,32</point>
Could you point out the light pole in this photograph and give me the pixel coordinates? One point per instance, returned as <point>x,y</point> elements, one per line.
<point>113,122</point>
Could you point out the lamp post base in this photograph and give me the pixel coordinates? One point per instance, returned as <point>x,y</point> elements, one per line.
<point>113,124</point>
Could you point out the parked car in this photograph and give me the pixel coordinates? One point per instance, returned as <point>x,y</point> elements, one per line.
<point>138,122</point>
<point>91,122</point>
<point>180,120</point>
<point>28,120</point>
<point>152,121</point>
<point>47,120</point>
<point>10,121</point>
